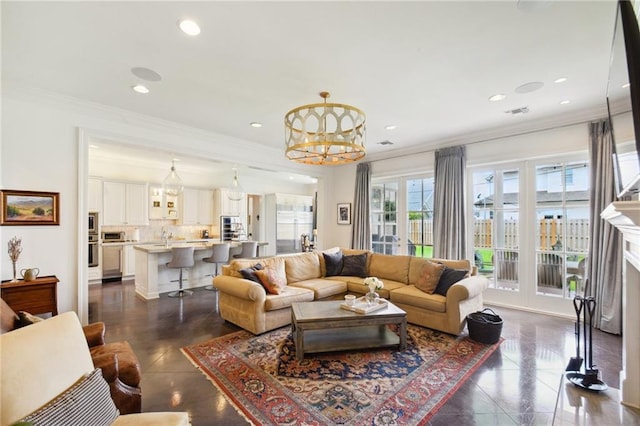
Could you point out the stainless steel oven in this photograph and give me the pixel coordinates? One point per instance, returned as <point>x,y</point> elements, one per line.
<point>93,222</point>
<point>93,251</point>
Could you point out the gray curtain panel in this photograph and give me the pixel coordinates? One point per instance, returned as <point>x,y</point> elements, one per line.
<point>604,265</point>
<point>361,228</point>
<point>449,232</point>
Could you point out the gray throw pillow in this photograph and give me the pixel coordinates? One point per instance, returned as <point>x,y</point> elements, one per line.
<point>250,273</point>
<point>448,278</point>
<point>354,265</point>
<point>333,263</point>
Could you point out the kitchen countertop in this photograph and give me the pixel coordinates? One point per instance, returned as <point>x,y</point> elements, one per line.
<point>171,242</point>
<point>196,244</point>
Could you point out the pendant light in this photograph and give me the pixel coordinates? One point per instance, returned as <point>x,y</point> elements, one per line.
<point>172,184</point>
<point>237,192</point>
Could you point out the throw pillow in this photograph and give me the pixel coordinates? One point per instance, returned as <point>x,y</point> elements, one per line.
<point>273,279</point>
<point>354,266</point>
<point>25,318</point>
<point>429,277</point>
<point>87,402</point>
<point>333,262</point>
<point>448,278</point>
<point>250,273</point>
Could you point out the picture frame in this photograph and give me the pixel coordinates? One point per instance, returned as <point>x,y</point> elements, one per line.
<point>20,208</point>
<point>344,213</point>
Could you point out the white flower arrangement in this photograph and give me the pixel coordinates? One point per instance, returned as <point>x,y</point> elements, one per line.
<point>373,283</point>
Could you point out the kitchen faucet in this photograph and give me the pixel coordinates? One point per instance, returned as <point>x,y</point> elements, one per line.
<point>166,236</point>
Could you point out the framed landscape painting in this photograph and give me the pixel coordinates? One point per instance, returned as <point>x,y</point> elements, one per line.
<point>29,207</point>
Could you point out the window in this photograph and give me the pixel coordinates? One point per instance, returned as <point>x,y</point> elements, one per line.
<point>384,227</point>
<point>562,227</point>
<point>420,217</point>
<point>496,226</point>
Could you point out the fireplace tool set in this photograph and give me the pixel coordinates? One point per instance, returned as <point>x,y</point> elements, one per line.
<point>589,379</point>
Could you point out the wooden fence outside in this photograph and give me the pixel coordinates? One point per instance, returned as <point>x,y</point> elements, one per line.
<point>549,232</point>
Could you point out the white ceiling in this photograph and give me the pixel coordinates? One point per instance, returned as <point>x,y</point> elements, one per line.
<point>426,67</point>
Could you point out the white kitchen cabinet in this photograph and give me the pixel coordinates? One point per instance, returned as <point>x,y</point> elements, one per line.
<point>196,207</point>
<point>94,201</point>
<point>225,206</point>
<point>161,205</point>
<point>129,264</point>
<point>124,203</point>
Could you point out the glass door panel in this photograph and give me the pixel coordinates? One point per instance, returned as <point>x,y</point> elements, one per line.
<point>420,217</point>
<point>384,215</point>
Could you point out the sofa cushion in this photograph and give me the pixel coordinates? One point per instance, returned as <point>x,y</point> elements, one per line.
<point>448,278</point>
<point>354,265</point>
<point>333,263</point>
<point>128,365</point>
<point>393,267</point>
<point>322,287</point>
<point>273,278</point>
<point>429,276</point>
<point>356,285</point>
<point>412,296</point>
<point>250,273</point>
<point>287,296</point>
<point>455,264</point>
<point>87,402</point>
<point>236,265</point>
<point>303,266</point>
<point>323,266</point>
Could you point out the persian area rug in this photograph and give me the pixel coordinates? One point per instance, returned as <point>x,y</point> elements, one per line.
<point>261,377</point>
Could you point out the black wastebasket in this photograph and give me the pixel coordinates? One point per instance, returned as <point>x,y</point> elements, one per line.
<point>484,327</point>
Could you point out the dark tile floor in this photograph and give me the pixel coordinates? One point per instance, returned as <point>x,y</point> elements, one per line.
<point>517,386</point>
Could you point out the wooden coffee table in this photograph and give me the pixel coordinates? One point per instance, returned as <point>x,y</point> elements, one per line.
<point>324,327</point>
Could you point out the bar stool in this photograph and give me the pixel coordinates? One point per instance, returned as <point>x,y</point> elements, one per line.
<point>181,257</point>
<point>249,250</point>
<point>220,254</point>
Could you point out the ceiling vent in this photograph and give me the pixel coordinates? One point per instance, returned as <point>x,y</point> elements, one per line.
<point>518,111</point>
<point>385,143</point>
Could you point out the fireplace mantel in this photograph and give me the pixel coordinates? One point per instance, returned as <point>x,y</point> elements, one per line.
<point>625,216</point>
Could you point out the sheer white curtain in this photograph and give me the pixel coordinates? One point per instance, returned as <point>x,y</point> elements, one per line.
<point>604,265</point>
<point>449,233</point>
<point>361,229</point>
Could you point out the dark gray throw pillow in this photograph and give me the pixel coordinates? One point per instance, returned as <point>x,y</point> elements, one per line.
<point>333,263</point>
<point>250,273</point>
<point>354,265</point>
<point>448,278</point>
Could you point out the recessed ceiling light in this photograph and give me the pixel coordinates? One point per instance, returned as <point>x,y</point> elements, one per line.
<point>566,101</point>
<point>626,85</point>
<point>140,88</point>
<point>94,146</point>
<point>560,80</point>
<point>391,127</point>
<point>498,97</point>
<point>189,27</point>
<point>255,124</point>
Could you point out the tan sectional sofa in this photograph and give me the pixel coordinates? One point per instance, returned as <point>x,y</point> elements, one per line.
<point>247,304</point>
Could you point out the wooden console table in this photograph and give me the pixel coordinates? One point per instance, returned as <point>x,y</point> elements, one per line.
<point>36,297</point>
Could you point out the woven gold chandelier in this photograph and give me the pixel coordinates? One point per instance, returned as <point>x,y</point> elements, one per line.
<point>325,133</point>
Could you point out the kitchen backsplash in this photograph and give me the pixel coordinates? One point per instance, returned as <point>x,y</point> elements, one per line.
<point>153,232</point>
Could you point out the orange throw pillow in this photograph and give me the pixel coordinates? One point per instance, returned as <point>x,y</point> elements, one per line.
<point>429,277</point>
<point>273,280</point>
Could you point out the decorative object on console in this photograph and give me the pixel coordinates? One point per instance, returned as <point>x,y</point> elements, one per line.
<point>15,248</point>
<point>29,208</point>
<point>30,274</point>
<point>172,184</point>
<point>325,133</point>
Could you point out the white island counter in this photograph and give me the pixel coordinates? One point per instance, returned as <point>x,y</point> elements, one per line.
<point>152,276</point>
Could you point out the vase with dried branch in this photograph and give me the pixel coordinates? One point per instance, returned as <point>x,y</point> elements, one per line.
<point>15,248</point>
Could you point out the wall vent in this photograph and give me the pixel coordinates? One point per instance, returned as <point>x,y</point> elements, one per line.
<point>385,143</point>
<point>518,111</point>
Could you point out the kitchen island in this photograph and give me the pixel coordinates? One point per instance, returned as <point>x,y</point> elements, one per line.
<point>152,276</point>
